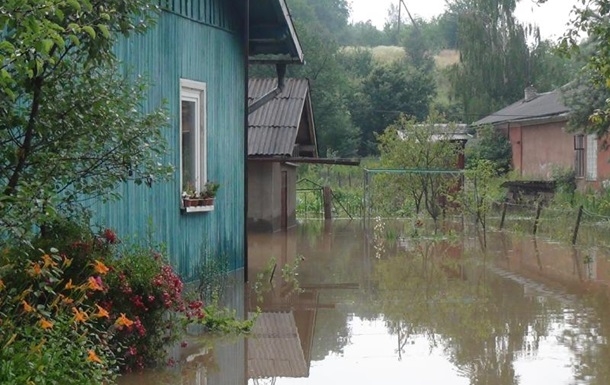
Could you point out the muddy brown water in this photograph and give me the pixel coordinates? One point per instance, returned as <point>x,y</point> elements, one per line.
<point>389,304</point>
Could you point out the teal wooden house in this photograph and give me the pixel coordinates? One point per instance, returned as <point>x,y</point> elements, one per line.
<point>197,58</point>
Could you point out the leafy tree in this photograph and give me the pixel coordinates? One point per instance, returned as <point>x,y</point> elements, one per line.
<point>493,146</point>
<point>494,54</point>
<point>587,98</point>
<point>390,90</point>
<point>427,148</point>
<point>358,62</point>
<point>71,125</point>
<point>549,68</point>
<point>588,95</point>
<point>363,34</point>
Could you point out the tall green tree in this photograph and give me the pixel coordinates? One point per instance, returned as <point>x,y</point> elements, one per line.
<point>494,56</point>
<point>388,91</point>
<point>71,125</point>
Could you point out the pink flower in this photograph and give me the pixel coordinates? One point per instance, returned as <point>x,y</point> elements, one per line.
<point>110,236</point>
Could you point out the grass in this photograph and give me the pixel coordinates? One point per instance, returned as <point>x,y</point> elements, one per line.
<point>387,54</point>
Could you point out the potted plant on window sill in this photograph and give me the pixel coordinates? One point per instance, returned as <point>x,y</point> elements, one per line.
<point>189,196</point>
<point>208,194</point>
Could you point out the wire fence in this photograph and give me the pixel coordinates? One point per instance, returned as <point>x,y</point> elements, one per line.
<point>567,224</point>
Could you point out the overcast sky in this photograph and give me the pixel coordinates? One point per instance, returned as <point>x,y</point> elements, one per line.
<point>550,17</point>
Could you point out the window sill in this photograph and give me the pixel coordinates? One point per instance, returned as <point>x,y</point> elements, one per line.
<point>197,209</point>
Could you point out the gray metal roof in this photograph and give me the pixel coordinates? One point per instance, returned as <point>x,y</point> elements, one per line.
<point>274,347</point>
<point>273,128</point>
<point>544,105</point>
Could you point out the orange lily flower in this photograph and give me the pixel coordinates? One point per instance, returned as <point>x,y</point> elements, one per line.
<point>92,357</point>
<point>100,268</point>
<point>101,312</point>
<point>35,270</point>
<point>66,300</point>
<point>66,261</point>
<point>27,307</point>
<point>123,321</point>
<point>79,316</point>
<point>48,261</point>
<point>94,285</point>
<point>69,285</point>
<point>2,286</point>
<point>45,324</point>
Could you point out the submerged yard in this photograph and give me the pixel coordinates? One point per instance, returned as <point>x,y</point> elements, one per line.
<point>347,303</point>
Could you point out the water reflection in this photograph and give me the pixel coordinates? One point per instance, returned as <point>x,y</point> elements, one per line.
<point>392,306</point>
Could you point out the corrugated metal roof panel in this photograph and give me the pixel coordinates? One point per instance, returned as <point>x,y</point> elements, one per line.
<point>272,129</point>
<point>274,347</point>
<point>544,105</point>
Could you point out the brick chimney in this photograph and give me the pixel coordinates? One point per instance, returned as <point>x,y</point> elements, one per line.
<point>530,94</point>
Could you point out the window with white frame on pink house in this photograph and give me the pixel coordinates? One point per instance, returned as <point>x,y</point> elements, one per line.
<point>592,157</point>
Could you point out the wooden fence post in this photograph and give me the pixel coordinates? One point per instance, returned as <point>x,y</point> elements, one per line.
<point>578,218</point>
<point>327,202</point>
<point>538,211</point>
<point>503,215</point>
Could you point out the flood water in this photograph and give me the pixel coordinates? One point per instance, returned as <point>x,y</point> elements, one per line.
<point>390,304</point>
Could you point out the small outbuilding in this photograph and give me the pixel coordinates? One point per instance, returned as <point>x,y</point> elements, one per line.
<point>281,133</point>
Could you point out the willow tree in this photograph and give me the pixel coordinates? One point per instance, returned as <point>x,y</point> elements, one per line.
<point>494,56</point>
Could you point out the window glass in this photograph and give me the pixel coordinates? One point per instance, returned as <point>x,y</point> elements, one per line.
<point>592,157</point>
<point>193,153</point>
<point>189,144</point>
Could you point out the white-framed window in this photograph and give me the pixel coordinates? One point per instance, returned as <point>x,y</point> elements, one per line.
<point>579,153</point>
<point>592,157</point>
<point>193,150</point>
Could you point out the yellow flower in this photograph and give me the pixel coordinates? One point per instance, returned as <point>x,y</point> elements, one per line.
<point>45,324</point>
<point>101,312</point>
<point>123,321</point>
<point>100,268</point>
<point>79,316</point>
<point>27,307</point>
<point>48,261</point>
<point>94,285</point>
<point>92,357</point>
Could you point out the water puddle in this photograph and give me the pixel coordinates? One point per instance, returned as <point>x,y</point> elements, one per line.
<point>338,304</point>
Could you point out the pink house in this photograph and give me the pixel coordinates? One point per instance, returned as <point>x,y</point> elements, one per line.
<point>537,129</point>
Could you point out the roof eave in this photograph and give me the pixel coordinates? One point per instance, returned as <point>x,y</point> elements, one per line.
<point>277,42</point>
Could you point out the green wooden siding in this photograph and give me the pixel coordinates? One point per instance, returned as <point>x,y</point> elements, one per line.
<point>220,14</point>
<point>181,48</point>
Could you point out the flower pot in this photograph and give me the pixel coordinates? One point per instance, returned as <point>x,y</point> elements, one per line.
<point>187,202</point>
<point>208,201</point>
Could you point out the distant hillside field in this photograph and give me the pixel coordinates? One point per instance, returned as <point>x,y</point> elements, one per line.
<point>386,54</point>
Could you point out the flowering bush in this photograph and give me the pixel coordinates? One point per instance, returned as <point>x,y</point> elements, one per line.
<point>49,331</point>
<point>147,292</point>
<point>141,293</point>
<point>91,308</point>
